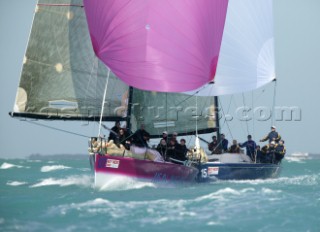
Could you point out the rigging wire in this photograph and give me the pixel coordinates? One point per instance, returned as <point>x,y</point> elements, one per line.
<point>103,101</point>
<point>225,120</point>
<point>186,99</point>
<point>94,63</point>
<point>241,124</point>
<point>274,101</point>
<point>57,129</point>
<point>252,105</point>
<point>245,105</point>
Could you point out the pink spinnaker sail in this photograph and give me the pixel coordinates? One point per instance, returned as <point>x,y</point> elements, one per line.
<point>167,45</point>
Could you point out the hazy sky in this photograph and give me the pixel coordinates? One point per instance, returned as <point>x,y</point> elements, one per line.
<point>297,49</point>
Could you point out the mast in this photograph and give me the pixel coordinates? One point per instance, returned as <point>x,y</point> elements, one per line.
<point>216,111</point>
<point>128,121</point>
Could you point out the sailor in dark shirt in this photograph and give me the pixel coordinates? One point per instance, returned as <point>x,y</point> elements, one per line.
<point>213,146</point>
<point>123,139</point>
<point>259,154</point>
<point>114,131</point>
<point>141,137</point>
<point>268,152</point>
<point>162,148</point>
<point>272,136</point>
<point>176,151</point>
<point>181,150</point>
<point>250,146</point>
<point>224,143</point>
<point>280,151</point>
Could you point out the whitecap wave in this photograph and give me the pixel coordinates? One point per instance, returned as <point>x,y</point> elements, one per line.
<point>122,209</point>
<point>270,191</point>
<point>78,180</point>
<point>53,168</point>
<point>8,165</point>
<point>16,183</point>
<point>121,183</point>
<point>34,161</point>
<point>295,180</point>
<point>84,169</point>
<point>221,193</point>
<point>300,154</point>
<point>295,159</point>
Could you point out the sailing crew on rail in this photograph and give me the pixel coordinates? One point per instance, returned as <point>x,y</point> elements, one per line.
<point>172,149</point>
<point>165,136</point>
<point>141,137</point>
<point>272,136</point>
<point>224,143</point>
<point>182,150</point>
<point>174,136</point>
<point>214,146</point>
<point>258,154</point>
<point>234,148</point>
<point>122,139</point>
<point>250,146</point>
<point>162,148</point>
<point>268,152</point>
<point>280,151</point>
<point>114,131</point>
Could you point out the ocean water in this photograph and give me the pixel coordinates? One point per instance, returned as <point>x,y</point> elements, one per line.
<point>56,194</point>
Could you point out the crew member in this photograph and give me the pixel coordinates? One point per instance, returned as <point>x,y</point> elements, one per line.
<point>234,147</point>
<point>250,146</point>
<point>268,152</point>
<point>272,136</point>
<point>280,151</point>
<point>224,143</point>
<point>214,146</point>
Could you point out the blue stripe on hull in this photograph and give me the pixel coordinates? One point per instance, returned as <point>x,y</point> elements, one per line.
<point>214,171</point>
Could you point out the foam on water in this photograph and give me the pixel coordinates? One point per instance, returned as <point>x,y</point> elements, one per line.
<point>78,180</point>
<point>53,168</point>
<point>8,165</point>
<point>122,209</point>
<point>120,183</point>
<point>222,193</point>
<point>288,203</point>
<point>295,180</point>
<point>34,161</point>
<point>291,159</point>
<point>16,183</point>
<point>207,209</point>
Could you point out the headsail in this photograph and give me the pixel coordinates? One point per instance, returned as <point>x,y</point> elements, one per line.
<point>61,77</point>
<point>166,46</point>
<point>246,60</point>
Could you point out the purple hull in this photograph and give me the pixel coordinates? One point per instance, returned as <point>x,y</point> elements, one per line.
<point>142,170</point>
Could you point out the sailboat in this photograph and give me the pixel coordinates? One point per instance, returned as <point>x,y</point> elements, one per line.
<point>151,63</point>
